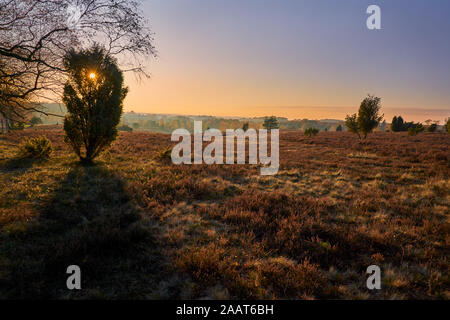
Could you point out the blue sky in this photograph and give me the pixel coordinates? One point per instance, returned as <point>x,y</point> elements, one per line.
<point>295,57</point>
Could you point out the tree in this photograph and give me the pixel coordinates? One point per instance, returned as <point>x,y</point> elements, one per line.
<point>93,95</point>
<point>339,128</point>
<point>271,123</point>
<point>369,115</point>
<point>397,124</point>
<point>35,121</point>
<point>245,126</point>
<point>36,35</point>
<point>311,132</point>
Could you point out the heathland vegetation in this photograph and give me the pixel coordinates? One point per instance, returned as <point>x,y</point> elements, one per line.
<point>141,227</point>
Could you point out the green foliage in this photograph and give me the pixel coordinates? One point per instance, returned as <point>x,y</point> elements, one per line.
<point>311,132</point>
<point>271,123</point>
<point>36,148</point>
<point>94,97</point>
<point>35,121</point>
<point>351,123</point>
<point>413,131</point>
<point>245,126</point>
<point>369,115</point>
<point>339,128</point>
<point>397,124</point>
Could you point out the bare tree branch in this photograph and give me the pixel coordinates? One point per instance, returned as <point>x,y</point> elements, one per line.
<point>35,35</point>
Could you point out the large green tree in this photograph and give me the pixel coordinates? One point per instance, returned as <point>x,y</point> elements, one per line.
<point>93,95</point>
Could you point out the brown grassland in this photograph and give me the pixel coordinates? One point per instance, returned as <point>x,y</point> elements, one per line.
<point>142,228</point>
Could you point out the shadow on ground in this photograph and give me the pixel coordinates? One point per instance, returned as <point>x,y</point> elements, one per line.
<point>89,221</point>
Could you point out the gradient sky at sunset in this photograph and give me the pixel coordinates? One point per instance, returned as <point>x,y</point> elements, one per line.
<point>296,58</point>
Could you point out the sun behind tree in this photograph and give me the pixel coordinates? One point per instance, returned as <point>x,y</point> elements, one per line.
<point>93,95</point>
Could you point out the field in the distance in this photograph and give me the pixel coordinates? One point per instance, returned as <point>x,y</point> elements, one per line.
<point>140,227</point>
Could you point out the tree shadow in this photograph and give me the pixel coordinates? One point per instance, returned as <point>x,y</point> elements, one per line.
<point>17,164</point>
<point>89,221</point>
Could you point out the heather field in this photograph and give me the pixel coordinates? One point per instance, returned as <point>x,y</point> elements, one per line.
<point>142,228</point>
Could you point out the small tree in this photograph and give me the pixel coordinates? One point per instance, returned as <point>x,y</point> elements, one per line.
<point>94,97</point>
<point>271,123</point>
<point>339,128</point>
<point>368,117</point>
<point>245,126</point>
<point>35,121</point>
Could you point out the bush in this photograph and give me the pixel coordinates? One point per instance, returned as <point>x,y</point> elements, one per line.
<point>432,127</point>
<point>447,126</point>
<point>35,121</point>
<point>311,132</point>
<point>36,148</point>
<point>413,131</point>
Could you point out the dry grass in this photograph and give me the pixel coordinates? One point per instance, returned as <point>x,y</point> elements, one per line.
<point>140,227</point>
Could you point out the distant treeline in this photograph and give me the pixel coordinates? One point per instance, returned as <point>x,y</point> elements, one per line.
<point>167,123</point>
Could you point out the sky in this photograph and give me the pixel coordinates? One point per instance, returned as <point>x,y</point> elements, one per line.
<point>299,59</point>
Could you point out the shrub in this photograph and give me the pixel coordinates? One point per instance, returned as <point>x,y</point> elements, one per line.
<point>36,148</point>
<point>432,127</point>
<point>35,121</point>
<point>94,97</point>
<point>447,126</point>
<point>311,132</point>
<point>413,131</point>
